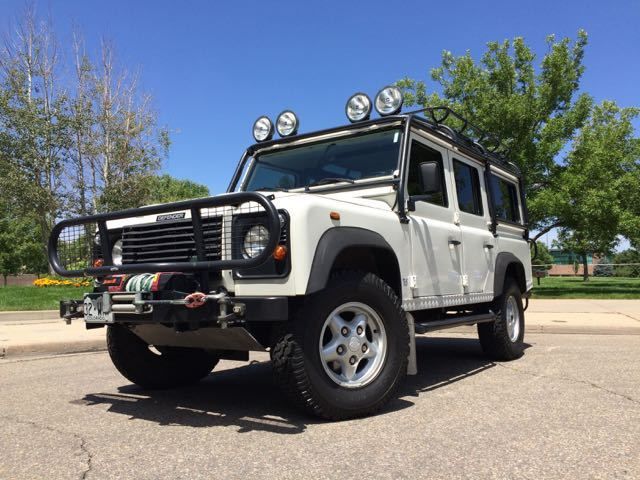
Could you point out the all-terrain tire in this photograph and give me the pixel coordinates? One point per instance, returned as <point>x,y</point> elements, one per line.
<point>499,340</point>
<point>170,367</point>
<point>296,357</point>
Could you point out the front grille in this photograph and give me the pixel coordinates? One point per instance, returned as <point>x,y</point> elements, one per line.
<point>170,241</point>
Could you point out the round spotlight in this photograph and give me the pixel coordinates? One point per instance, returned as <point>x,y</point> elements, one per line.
<point>287,124</point>
<point>388,101</point>
<point>358,107</point>
<point>262,129</point>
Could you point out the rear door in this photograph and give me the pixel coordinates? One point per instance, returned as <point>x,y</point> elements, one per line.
<point>478,252</point>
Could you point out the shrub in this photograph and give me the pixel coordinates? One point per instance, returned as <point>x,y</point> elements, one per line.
<point>603,271</point>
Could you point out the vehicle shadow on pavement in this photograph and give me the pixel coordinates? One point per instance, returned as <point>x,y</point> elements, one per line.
<point>246,397</point>
<point>443,361</point>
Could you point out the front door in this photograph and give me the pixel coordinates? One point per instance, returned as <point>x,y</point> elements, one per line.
<point>436,240</point>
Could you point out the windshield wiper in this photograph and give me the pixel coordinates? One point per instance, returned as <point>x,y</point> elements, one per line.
<point>271,189</point>
<point>326,181</point>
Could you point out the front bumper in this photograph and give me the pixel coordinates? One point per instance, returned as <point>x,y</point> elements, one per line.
<point>168,308</point>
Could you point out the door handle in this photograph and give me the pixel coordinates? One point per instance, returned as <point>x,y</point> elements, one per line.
<point>454,242</point>
<point>489,246</point>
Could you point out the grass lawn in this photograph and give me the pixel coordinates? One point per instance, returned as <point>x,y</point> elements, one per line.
<point>595,287</point>
<point>33,298</point>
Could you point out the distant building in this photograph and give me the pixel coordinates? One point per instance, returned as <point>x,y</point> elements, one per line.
<point>561,257</point>
<point>564,263</point>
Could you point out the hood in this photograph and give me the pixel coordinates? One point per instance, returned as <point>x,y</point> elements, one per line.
<point>379,197</point>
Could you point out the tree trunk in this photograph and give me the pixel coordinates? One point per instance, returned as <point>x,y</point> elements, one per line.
<point>5,280</point>
<point>585,268</point>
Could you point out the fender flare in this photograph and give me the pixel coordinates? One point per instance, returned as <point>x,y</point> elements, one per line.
<point>332,243</point>
<point>503,261</point>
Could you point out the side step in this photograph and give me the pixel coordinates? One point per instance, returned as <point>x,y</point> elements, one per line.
<point>454,322</point>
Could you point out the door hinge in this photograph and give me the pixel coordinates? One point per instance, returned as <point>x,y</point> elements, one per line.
<point>410,281</point>
<point>465,282</point>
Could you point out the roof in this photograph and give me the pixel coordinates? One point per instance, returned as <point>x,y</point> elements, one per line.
<point>432,119</point>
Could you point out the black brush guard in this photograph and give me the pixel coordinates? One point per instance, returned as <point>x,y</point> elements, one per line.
<point>98,223</point>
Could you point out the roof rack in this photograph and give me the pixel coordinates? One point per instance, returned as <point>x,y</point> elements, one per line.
<point>496,150</point>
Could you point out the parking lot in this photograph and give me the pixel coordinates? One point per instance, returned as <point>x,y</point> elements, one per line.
<point>570,408</point>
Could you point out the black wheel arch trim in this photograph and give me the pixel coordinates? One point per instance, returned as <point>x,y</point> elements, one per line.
<point>334,241</point>
<point>503,261</point>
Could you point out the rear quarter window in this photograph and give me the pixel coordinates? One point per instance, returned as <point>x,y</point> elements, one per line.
<point>505,199</point>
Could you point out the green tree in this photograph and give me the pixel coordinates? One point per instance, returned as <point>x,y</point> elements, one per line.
<point>593,186</point>
<point>33,122</point>
<point>20,245</point>
<point>71,146</point>
<point>117,144</point>
<point>534,109</point>
<point>165,188</point>
<point>629,256</point>
<point>630,194</point>
<point>544,260</point>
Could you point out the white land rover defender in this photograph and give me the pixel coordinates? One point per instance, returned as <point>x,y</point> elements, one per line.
<point>330,250</point>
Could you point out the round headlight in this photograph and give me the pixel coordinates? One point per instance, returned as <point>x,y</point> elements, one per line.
<point>358,107</point>
<point>287,124</point>
<point>388,101</point>
<point>262,129</point>
<point>116,253</point>
<point>255,241</point>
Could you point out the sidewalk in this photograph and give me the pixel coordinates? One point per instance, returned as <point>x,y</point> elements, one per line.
<point>43,333</point>
<point>580,316</point>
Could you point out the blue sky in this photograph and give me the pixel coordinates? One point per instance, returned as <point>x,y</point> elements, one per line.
<point>213,67</point>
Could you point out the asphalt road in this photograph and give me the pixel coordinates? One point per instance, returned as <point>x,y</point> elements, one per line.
<point>570,408</point>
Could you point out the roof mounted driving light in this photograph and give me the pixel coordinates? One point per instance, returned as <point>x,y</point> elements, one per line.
<point>358,107</point>
<point>287,124</point>
<point>262,129</point>
<point>388,101</point>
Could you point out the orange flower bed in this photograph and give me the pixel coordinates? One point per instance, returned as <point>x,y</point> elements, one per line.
<point>59,282</point>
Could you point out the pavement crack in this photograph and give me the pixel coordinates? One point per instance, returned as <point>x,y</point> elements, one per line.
<point>83,442</point>
<point>628,316</point>
<point>83,447</point>
<point>572,380</point>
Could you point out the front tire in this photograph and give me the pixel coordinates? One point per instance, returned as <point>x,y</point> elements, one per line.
<point>346,352</point>
<point>170,367</point>
<point>503,339</point>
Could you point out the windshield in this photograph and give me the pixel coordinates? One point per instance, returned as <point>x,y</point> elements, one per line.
<point>344,159</point>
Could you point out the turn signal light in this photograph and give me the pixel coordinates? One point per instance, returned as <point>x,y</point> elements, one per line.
<point>98,262</point>
<point>280,252</point>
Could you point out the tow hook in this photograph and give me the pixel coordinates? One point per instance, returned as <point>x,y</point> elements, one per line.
<point>197,299</point>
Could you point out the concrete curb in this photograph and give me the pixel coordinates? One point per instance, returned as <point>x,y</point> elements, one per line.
<point>29,315</point>
<point>561,329</point>
<point>53,348</point>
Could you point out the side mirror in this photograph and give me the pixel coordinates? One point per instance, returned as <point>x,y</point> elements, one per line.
<point>430,178</point>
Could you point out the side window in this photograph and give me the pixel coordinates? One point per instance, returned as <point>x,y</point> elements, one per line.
<point>419,154</point>
<point>467,187</point>
<point>505,199</point>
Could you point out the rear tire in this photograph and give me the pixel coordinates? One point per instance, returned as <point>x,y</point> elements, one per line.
<point>503,339</point>
<point>170,367</point>
<point>346,352</point>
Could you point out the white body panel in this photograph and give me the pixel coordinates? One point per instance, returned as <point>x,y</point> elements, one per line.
<point>446,257</point>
